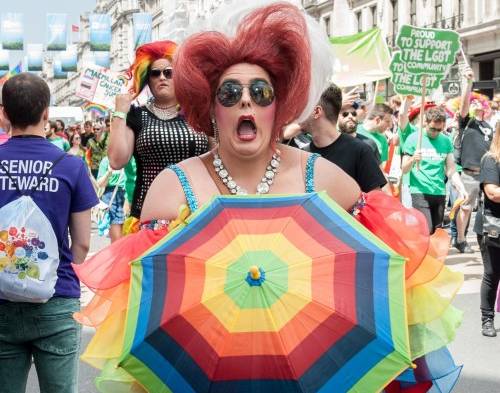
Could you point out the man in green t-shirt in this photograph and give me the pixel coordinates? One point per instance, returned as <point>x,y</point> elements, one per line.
<point>378,120</point>
<point>428,165</point>
<point>50,134</point>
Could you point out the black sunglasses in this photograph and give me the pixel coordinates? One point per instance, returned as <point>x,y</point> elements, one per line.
<point>353,114</point>
<point>230,92</point>
<point>155,73</point>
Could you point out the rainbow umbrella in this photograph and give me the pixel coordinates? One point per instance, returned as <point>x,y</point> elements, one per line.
<point>267,294</point>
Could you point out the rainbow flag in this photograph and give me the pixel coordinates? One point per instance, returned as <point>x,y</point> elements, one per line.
<point>16,70</point>
<point>100,110</point>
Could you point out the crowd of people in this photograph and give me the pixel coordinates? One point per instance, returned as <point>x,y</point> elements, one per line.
<point>232,120</point>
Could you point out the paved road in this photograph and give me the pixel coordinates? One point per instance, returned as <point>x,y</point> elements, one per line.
<point>479,355</point>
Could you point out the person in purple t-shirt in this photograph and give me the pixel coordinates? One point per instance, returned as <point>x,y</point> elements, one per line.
<point>47,331</point>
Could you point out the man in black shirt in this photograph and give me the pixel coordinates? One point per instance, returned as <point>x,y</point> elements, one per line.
<point>473,140</point>
<point>353,156</point>
<point>348,124</point>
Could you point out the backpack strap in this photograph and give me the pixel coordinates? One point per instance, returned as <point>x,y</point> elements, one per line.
<point>30,191</point>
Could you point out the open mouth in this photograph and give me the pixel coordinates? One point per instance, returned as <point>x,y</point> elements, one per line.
<point>247,130</point>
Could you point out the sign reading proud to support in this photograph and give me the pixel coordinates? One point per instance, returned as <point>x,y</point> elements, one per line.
<point>100,85</point>
<point>428,52</point>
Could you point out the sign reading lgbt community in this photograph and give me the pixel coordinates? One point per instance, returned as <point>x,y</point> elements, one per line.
<point>428,52</point>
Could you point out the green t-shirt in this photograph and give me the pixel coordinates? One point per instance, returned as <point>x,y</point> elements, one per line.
<point>429,177</point>
<point>130,176</point>
<point>380,140</point>
<point>61,143</point>
<point>115,176</point>
<point>98,149</point>
<point>403,136</point>
<point>405,133</point>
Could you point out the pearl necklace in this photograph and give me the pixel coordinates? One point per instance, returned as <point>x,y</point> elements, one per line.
<point>265,183</point>
<point>163,113</point>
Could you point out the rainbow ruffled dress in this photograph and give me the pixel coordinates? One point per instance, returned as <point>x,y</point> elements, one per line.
<point>430,288</point>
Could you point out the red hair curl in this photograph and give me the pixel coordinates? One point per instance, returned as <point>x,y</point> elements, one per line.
<point>145,55</point>
<point>273,37</point>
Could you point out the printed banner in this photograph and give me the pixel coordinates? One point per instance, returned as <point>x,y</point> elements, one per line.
<point>100,32</point>
<point>56,32</point>
<point>100,85</point>
<point>429,52</point>
<point>143,27</point>
<point>35,57</point>
<point>4,60</point>
<point>12,31</point>
<point>102,59</point>
<point>69,59</point>
<point>360,58</point>
<point>58,72</point>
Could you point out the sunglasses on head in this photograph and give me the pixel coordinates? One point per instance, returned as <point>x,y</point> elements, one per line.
<point>230,92</point>
<point>352,113</point>
<point>155,73</point>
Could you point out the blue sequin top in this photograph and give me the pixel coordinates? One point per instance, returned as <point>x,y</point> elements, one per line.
<point>193,202</point>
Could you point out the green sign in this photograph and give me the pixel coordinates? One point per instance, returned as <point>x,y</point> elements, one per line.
<point>427,51</point>
<point>407,83</point>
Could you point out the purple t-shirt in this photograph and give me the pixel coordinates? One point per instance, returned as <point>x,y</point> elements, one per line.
<point>68,190</point>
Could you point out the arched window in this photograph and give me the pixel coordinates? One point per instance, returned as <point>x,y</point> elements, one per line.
<point>395,25</point>
<point>413,12</point>
<point>438,12</point>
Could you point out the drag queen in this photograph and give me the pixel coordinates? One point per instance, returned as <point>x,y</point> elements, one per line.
<point>245,86</point>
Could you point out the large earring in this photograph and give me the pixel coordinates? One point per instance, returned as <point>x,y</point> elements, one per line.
<point>215,130</point>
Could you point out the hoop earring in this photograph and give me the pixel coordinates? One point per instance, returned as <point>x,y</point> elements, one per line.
<point>215,130</point>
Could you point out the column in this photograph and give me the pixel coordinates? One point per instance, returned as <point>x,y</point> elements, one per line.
<point>366,19</point>
<point>403,12</point>
<point>469,12</point>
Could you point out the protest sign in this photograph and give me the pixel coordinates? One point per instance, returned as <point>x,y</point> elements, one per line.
<point>427,51</point>
<point>406,83</point>
<point>100,85</point>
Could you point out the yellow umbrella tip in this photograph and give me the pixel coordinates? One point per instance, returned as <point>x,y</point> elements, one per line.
<point>254,272</point>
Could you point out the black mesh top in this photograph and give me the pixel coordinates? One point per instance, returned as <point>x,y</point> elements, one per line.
<point>158,144</point>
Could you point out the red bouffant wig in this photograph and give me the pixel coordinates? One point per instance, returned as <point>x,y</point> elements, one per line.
<point>273,37</point>
<point>145,55</point>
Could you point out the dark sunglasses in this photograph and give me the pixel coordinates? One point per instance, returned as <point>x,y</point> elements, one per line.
<point>353,114</point>
<point>230,92</point>
<point>155,73</point>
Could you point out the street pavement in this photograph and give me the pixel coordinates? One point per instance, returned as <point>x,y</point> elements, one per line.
<point>480,356</point>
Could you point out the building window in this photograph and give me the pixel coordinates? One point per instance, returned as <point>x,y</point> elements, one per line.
<point>373,10</point>
<point>326,21</point>
<point>438,12</point>
<point>395,25</point>
<point>358,20</point>
<point>413,12</point>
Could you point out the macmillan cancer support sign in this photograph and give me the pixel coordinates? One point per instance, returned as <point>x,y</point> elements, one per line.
<point>428,52</point>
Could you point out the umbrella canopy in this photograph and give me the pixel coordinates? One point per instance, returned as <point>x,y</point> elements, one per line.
<point>267,293</point>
